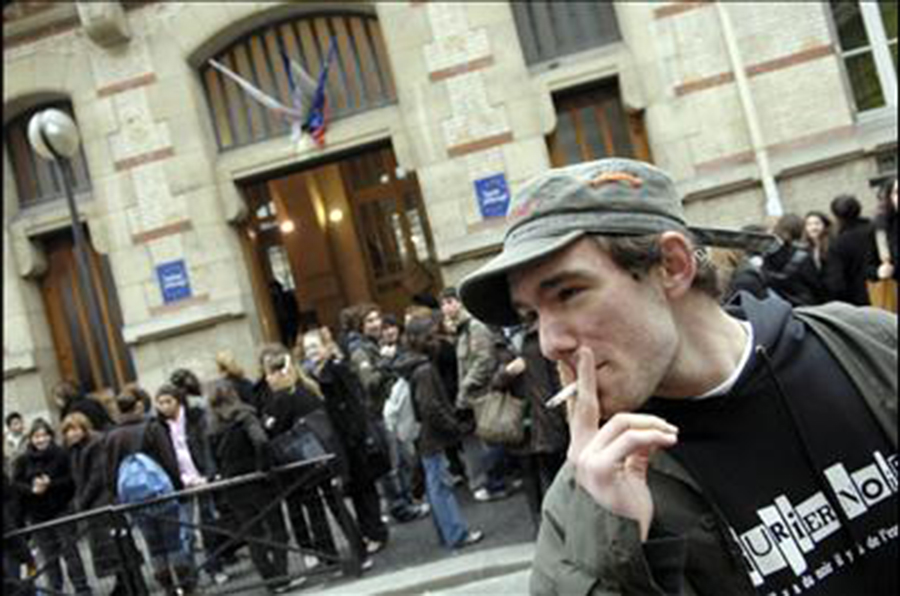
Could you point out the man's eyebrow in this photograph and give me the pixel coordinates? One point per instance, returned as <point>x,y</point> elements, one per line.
<point>555,281</point>
<point>563,277</point>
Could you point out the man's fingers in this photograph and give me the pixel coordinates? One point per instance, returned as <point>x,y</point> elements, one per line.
<point>585,413</point>
<point>625,421</point>
<point>632,442</point>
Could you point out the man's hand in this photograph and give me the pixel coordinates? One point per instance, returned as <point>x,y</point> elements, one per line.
<point>885,270</point>
<point>516,367</point>
<point>611,460</point>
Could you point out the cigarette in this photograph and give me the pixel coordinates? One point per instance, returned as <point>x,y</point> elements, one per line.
<point>561,397</point>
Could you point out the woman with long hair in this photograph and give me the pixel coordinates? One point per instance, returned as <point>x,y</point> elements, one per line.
<point>240,446</point>
<point>439,429</point>
<point>817,236</point>
<point>288,394</point>
<point>886,231</point>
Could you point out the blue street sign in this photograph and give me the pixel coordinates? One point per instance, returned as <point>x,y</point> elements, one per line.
<point>493,195</point>
<point>173,281</point>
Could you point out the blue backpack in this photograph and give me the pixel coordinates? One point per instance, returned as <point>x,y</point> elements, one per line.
<point>141,478</point>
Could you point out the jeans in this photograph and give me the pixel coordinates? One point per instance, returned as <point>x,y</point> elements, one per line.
<point>494,461</point>
<point>452,528</point>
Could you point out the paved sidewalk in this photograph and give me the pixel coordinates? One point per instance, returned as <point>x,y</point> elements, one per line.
<point>501,570</point>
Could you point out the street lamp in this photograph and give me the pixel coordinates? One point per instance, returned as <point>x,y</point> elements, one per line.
<point>54,136</point>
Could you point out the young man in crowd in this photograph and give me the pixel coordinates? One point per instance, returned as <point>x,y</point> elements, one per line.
<point>744,451</point>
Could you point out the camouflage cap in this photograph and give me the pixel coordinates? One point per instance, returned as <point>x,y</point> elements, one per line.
<point>608,197</point>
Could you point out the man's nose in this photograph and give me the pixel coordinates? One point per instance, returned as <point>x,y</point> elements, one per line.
<point>557,339</point>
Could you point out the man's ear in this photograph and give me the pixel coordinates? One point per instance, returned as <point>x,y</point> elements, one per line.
<point>679,267</point>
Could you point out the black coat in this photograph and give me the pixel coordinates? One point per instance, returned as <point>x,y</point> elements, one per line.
<point>245,389</point>
<point>88,460</point>
<point>549,431</point>
<point>13,519</point>
<point>197,439</point>
<point>240,446</point>
<point>344,403</point>
<point>125,440</point>
<point>56,501</point>
<point>846,266</point>
<point>791,272</point>
<point>282,409</point>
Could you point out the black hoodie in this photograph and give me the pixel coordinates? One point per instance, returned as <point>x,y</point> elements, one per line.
<point>796,462</point>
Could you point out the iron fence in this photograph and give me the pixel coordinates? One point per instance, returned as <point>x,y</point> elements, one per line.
<point>247,534</point>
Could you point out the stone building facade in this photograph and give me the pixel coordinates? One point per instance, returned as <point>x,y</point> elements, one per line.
<point>754,109</point>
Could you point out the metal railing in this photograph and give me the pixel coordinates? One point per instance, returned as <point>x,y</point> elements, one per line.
<point>152,547</point>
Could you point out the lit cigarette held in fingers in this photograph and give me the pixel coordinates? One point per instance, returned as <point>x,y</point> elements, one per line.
<point>561,397</point>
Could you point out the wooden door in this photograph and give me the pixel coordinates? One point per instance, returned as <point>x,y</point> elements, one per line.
<point>392,227</point>
<point>592,124</point>
<point>77,341</point>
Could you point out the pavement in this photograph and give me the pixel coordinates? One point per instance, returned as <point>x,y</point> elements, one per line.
<point>414,562</point>
<point>502,570</point>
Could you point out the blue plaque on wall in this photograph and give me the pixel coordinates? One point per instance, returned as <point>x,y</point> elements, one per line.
<point>493,196</point>
<point>173,281</point>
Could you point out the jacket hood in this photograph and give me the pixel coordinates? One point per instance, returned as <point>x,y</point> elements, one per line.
<point>407,363</point>
<point>769,317</point>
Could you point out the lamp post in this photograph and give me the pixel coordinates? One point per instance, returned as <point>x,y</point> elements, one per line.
<point>54,136</point>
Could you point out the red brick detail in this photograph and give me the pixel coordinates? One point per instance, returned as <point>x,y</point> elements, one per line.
<point>180,305</point>
<point>729,161</point>
<point>163,231</point>
<point>812,139</point>
<point>755,69</point>
<point>446,73</point>
<point>134,83</point>
<point>480,144</point>
<point>737,159</point>
<point>704,83</point>
<point>48,31</point>
<point>145,158</point>
<point>677,8</point>
<point>792,60</point>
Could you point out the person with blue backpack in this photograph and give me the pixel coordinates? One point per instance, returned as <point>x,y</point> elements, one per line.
<point>142,466</point>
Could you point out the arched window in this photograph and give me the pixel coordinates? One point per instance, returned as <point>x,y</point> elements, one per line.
<point>360,78</point>
<point>37,179</point>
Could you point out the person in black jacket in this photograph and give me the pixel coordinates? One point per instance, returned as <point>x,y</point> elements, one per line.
<point>439,428</point>
<point>88,461</point>
<point>290,396</point>
<point>138,434</point>
<point>791,270</point>
<point>43,476</point>
<point>185,426</point>
<point>240,446</point>
<point>849,253</point>
<point>344,402</point>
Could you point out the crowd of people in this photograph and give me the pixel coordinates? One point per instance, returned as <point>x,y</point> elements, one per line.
<point>821,258</point>
<point>391,399</point>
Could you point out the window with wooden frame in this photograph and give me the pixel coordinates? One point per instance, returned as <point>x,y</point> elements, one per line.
<point>37,179</point>
<point>550,30</point>
<point>360,78</point>
<point>592,124</point>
